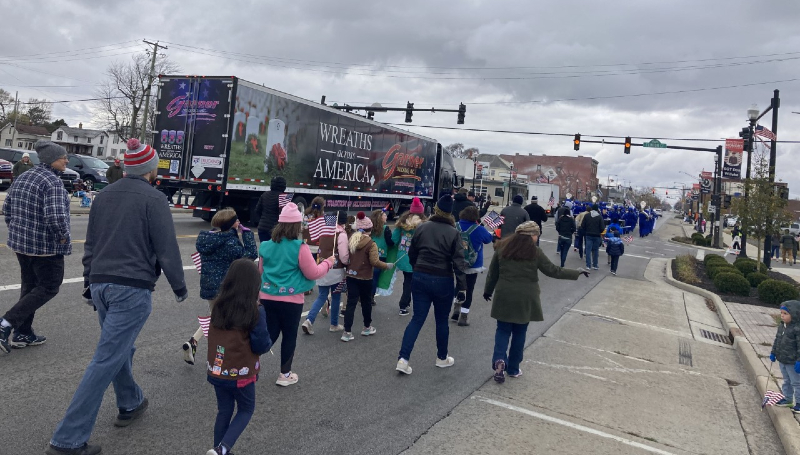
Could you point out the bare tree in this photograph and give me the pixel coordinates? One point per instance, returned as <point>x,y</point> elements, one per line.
<point>38,111</point>
<point>6,106</point>
<point>122,95</point>
<point>456,150</point>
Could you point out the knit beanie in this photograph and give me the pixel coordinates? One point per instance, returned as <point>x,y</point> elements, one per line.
<point>445,204</point>
<point>417,207</point>
<point>290,214</point>
<point>277,184</point>
<point>517,199</point>
<point>49,152</point>
<point>362,222</point>
<point>528,228</point>
<point>140,158</point>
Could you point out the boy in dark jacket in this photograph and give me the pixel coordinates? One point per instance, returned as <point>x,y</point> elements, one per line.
<point>786,350</point>
<point>268,208</point>
<point>615,249</point>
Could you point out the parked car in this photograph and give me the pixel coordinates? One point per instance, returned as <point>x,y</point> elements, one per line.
<point>5,174</point>
<point>68,177</point>
<point>794,229</point>
<point>92,170</point>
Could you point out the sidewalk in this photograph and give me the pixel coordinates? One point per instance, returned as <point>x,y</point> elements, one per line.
<point>634,367</point>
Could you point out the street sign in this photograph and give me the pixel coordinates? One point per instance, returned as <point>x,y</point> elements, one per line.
<point>655,143</point>
<point>712,209</point>
<point>480,168</point>
<point>706,175</point>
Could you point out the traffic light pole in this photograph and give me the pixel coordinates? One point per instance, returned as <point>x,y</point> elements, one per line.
<point>775,102</point>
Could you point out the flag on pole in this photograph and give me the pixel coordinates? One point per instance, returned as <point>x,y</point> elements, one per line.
<point>771,398</point>
<point>492,220</point>
<point>197,262</point>
<point>284,199</point>
<point>764,132</point>
<point>322,225</point>
<point>204,321</point>
<point>627,238</point>
<point>552,200</point>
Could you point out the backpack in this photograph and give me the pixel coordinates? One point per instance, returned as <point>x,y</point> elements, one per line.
<point>470,253</point>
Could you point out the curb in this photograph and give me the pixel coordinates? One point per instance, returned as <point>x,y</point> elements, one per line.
<point>707,248</point>
<point>782,418</point>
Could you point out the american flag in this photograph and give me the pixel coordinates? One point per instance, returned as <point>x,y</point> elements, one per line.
<point>764,132</point>
<point>284,199</point>
<point>341,287</point>
<point>323,225</point>
<point>204,321</point>
<point>627,238</point>
<point>552,200</point>
<point>771,398</point>
<point>492,220</point>
<point>197,262</point>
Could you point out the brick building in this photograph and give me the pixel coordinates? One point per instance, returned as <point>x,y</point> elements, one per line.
<point>573,174</point>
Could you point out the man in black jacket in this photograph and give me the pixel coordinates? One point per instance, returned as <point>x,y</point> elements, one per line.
<point>536,213</point>
<point>267,210</point>
<point>565,226</point>
<point>593,226</point>
<point>460,202</point>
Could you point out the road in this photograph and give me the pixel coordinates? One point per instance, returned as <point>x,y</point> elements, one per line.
<point>349,398</point>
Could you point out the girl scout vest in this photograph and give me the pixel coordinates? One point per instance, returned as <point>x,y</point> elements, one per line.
<point>282,275</point>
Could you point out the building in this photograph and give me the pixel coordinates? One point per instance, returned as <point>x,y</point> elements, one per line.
<point>494,177</point>
<point>23,137</point>
<point>82,141</point>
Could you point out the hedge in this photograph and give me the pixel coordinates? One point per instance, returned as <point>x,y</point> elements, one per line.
<point>776,292</point>
<point>756,278</point>
<point>746,266</point>
<point>713,257</point>
<point>713,269</point>
<point>732,283</point>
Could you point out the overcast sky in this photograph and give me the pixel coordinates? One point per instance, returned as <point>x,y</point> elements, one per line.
<point>517,65</point>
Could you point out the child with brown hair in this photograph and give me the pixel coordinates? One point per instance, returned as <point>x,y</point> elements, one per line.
<point>382,236</point>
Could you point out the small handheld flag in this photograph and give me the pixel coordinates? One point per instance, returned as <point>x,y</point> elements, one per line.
<point>197,262</point>
<point>284,199</point>
<point>493,220</point>
<point>323,225</point>
<point>771,398</point>
<point>204,321</point>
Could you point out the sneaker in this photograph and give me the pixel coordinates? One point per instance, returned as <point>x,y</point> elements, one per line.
<point>595,268</point>
<point>5,333</point>
<point>326,308</point>
<point>125,418</point>
<point>499,371</point>
<point>784,402</point>
<point>515,375</point>
<point>613,272</point>
<point>285,381</point>
<point>308,329</point>
<point>444,363</point>
<point>189,350</point>
<point>402,366</point>
<point>796,408</point>
<point>404,312</point>
<point>85,449</point>
<point>368,331</point>
<point>374,303</point>
<point>347,336</point>
<point>336,328</point>
<point>20,341</point>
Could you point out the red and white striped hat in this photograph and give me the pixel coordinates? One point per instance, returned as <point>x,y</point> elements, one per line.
<point>140,158</point>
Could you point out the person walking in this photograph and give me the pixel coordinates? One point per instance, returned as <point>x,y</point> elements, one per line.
<point>513,216</point>
<point>114,173</point>
<point>593,226</point>
<point>331,245</point>
<point>285,277</point>
<point>363,261</point>
<point>22,165</point>
<point>536,213</point>
<point>784,351</point>
<point>313,211</point>
<point>469,225</point>
<point>513,280</point>
<point>565,226</point>
<point>436,255</point>
<point>461,201</point>
<point>787,245</point>
<point>268,208</point>
<point>579,233</point>
<point>401,236</point>
<point>130,240</point>
<point>615,249</point>
<point>237,336</point>
<point>218,248</point>
<point>486,205</point>
<point>795,248</point>
<point>36,211</point>
<point>776,245</point>
<point>382,236</point>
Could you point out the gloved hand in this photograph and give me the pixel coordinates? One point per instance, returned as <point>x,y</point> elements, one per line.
<point>181,294</point>
<point>797,367</point>
<point>772,357</point>
<point>584,272</point>
<point>87,294</point>
<point>487,297</point>
<point>461,297</point>
<point>389,265</point>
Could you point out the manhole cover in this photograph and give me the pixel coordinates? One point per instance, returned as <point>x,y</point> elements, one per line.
<point>718,337</point>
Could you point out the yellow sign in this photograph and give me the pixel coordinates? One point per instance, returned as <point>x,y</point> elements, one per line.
<point>163,164</point>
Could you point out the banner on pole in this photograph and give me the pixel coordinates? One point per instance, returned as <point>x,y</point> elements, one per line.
<point>732,162</point>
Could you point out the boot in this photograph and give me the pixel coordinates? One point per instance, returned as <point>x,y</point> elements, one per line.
<point>462,320</point>
<point>456,311</point>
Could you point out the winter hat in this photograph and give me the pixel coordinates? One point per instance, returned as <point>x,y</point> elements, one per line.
<point>445,204</point>
<point>362,222</point>
<point>534,199</point>
<point>594,207</point>
<point>568,204</point>
<point>783,307</point>
<point>140,158</point>
<point>49,152</point>
<point>416,206</point>
<point>26,155</point>
<point>290,214</point>
<point>518,199</point>
<point>277,184</point>
<point>528,228</point>
<point>341,217</point>
<point>471,193</point>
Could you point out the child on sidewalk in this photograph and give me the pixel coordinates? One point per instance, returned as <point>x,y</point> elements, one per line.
<point>237,336</point>
<point>785,351</point>
<point>614,249</point>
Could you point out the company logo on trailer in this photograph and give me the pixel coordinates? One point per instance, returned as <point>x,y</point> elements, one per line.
<point>182,106</point>
<point>405,165</point>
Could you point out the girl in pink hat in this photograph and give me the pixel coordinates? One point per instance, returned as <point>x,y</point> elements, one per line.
<point>403,232</point>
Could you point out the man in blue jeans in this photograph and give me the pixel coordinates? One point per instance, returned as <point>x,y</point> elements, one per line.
<point>129,241</point>
<point>593,226</point>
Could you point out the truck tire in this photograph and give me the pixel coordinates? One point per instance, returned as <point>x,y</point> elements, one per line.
<point>206,216</point>
<point>301,203</point>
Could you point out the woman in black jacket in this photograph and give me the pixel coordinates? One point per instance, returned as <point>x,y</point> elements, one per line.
<point>267,209</point>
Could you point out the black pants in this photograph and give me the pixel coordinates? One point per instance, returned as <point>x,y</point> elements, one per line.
<point>283,317</point>
<point>358,290</point>
<point>41,278</point>
<point>405,299</point>
<point>614,263</point>
<point>471,279</point>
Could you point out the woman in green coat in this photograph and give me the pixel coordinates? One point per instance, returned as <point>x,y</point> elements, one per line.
<point>514,280</point>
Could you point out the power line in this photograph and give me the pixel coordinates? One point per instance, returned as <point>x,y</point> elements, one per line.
<point>72,58</point>
<point>5,57</point>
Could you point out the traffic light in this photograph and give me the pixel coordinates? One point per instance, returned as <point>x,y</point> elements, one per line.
<point>577,142</point>
<point>628,147</point>
<point>783,192</point>
<point>745,134</point>
<point>409,112</point>
<point>726,201</point>
<point>462,111</point>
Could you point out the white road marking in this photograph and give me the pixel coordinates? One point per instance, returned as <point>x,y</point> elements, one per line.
<point>12,287</point>
<point>572,425</point>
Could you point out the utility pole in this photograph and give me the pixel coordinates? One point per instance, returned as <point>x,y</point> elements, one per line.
<point>775,102</point>
<point>16,116</point>
<point>718,193</point>
<point>150,77</point>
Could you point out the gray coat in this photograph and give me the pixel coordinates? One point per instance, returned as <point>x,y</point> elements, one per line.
<point>513,215</point>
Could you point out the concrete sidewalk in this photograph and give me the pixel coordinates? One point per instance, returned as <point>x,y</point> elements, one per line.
<point>634,367</point>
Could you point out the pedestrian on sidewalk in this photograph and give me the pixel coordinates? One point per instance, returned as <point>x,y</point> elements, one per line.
<point>776,245</point>
<point>382,236</point>
<point>285,277</point>
<point>114,173</point>
<point>363,260</point>
<point>268,208</point>
<point>218,249</point>
<point>794,249</point>
<point>565,226</point>
<point>22,165</point>
<point>401,236</point>
<point>787,245</point>
<point>469,225</point>
<point>36,211</point>
<point>130,240</point>
<point>593,226</point>
<point>436,254</point>
<point>615,249</point>
<point>237,336</point>
<point>786,350</point>
<point>514,280</point>
<point>330,284</point>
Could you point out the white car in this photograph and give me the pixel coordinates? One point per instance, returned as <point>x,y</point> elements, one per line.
<point>794,229</point>
<point>731,221</point>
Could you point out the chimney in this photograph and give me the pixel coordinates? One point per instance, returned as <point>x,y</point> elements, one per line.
<point>80,126</point>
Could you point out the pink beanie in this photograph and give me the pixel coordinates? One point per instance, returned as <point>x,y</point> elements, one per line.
<point>416,206</point>
<point>362,222</point>
<point>290,214</point>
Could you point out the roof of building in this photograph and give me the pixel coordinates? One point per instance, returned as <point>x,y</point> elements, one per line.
<point>81,132</point>
<point>33,130</point>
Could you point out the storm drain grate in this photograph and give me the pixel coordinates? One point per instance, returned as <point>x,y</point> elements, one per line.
<point>718,337</point>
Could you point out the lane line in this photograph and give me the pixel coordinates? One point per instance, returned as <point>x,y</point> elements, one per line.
<point>574,426</point>
<point>12,287</point>
<point>79,241</point>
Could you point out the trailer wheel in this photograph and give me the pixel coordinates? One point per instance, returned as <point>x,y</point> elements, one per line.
<point>206,216</point>
<point>301,203</point>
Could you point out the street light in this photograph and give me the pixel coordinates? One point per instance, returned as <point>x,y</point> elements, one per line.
<point>510,173</point>
<point>752,118</point>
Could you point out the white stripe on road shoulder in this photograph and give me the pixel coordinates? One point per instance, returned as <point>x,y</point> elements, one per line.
<point>12,287</point>
<point>574,426</point>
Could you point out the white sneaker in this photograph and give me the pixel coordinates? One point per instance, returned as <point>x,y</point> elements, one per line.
<point>283,381</point>
<point>448,362</point>
<point>368,331</point>
<point>403,367</point>
<point>307,327</point>
<point>336,328</point>
<point>347,336</point>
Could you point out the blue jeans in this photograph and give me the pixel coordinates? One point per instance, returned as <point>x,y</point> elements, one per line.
<point>228,428</point>
<point>592,250</point>
<point>563,247</point>
<point>122,311</point>
<point>429,289</point>
<point>336,298</point>
<point>511,356</point>
<point>791,382</point>
<point>776,251</point>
